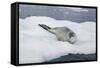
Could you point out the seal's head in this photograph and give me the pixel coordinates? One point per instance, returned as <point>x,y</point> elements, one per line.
<point>64,34</point>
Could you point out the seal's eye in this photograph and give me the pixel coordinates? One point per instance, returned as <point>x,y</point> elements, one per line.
<point>71,34</point>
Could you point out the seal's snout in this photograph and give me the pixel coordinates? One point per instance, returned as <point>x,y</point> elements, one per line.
<point>72,38</point>
<point>71,34</point>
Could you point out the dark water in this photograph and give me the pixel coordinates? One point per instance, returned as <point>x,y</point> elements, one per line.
<point>76,15</point>
<point>75,57</point>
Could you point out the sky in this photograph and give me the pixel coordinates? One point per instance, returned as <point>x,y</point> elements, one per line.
<point>74,14</point>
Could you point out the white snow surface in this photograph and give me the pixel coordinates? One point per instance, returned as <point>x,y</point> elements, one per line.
<point>37,45</point>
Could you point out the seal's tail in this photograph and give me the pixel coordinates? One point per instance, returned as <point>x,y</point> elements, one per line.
<point>44,26</point>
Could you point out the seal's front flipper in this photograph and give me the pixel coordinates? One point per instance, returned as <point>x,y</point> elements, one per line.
<point>44,26</point>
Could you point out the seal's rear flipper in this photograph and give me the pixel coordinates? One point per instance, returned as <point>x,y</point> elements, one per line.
<point>44,26</point>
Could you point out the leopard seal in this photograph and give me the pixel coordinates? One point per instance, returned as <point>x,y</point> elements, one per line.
<point>62,33</point>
